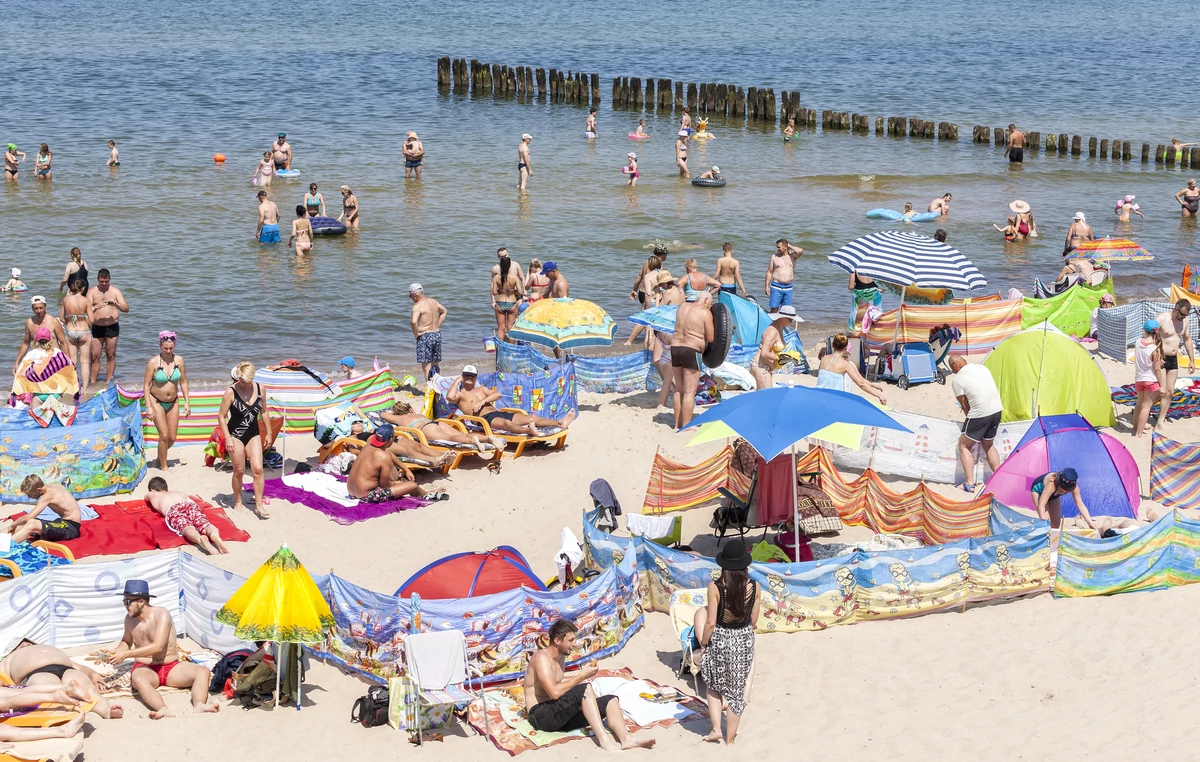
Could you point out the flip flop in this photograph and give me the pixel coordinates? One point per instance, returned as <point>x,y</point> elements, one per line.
<point>968,488</point>
<point>494,466</point>
<point>436,496</point>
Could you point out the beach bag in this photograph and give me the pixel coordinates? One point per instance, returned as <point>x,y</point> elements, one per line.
<point>371,710</point>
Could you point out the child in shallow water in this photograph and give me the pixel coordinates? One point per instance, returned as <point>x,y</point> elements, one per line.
<point>632,169</point>
<point>15,283</point>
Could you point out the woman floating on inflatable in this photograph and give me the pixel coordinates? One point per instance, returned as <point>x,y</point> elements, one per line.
<point>908,215</point>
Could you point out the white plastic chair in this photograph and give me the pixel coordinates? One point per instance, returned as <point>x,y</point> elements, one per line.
<point>437,663</point>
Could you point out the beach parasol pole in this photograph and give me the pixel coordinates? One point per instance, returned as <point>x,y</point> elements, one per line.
<point>795,510</point>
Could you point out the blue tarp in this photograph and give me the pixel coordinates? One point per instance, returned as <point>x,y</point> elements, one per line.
<point>549,393</point>
<point>749,320</point>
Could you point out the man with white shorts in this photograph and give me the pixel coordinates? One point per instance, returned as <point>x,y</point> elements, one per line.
<point>977,395</point>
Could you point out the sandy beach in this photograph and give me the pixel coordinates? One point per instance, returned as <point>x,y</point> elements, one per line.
<point>1057,678</point>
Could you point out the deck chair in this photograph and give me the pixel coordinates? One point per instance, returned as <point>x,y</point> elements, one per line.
<point>684,604</point>
<point>736,513</point>
<point>474,424</point>
<point>458,452</point>
<point>437,664</point>
<point>354,444</point>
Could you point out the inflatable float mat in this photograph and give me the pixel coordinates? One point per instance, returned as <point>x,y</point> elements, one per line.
<point>635,136</point>
<point>326,226</point>
<point>704,182</point>
<point>892,214</point>
<point>287,173</point>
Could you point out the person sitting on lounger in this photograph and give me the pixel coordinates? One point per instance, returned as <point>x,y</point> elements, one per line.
<point>475,399</point>
<point>52,496</point>
<point>402,414</point>
<point>46,669</point>
<point>378,476</point>
<point>184,517</point>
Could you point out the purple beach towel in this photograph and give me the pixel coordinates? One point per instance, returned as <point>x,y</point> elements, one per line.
<point>275,488</point>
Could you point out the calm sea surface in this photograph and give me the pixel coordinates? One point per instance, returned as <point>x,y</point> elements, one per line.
<point>174,83</point>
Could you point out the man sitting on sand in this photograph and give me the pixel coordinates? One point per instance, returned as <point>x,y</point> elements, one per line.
<point>52,496</point>
<point>378,476</point>
<point>401,447</point>
<point>474,399</point>
<point>47,668</point>
<point>184,517</point>
<point>402,414</point>
<point>557,703</point>
<point>149,640</point>
<point>693,332</point>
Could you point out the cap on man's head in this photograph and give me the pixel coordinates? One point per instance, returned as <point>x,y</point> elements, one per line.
<point>470,370</point>
<point>348,361</point>
<point>1079,216</point>
<point>716,168</point>
<point>42,334</point>
<point>526,136</point>
<point>416,288</point>
<point>383,435</point>
<point>1068,476</point>
<point>548,267</point>
<point>283,134</point>
<point>39,299</point>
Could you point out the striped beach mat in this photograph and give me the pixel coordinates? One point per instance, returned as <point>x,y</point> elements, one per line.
<point>371,393</point>
<point>983,324</point>
<point>1174,472</point>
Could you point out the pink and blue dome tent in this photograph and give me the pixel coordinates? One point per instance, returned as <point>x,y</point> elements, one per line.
<point>467,575</point>
<point>1108,475</point>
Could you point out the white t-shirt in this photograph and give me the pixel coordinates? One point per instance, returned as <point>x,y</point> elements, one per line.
<point>976,382</point>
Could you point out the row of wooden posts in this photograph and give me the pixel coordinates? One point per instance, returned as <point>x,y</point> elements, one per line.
<point>759,105</point>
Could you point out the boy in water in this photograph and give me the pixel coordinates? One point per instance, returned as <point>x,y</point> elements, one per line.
<point>184,517</point>
<point>789,130</point>
<point>114,156</point>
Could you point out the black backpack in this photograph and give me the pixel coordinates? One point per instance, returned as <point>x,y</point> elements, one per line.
<point>371,710</point>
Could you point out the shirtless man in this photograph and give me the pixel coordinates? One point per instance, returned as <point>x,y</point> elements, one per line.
<point>107,305</point>
<point>475,399</point>
<point>767,356</point>
<point>559,288</point>
<point>941,205</point>
<point>780,274</point>
<point>589,128</point>
<point>1174,331</point>
<point>1015,150</point>
<point>524,163</point>
<point>557,703</point>
<point>149,640</point>
<point>378,476</point>
<point>1189,199</point>
<point>681,147</point>
<point>729,271</point>
<point>693,332</point>
<point>184,517</point>
<point>114,156</point>
<point>56,498</point>
<point>414,155</point>
<point>50,669</point>
<point>427,318</point>
<point>508,288</point>
<point>281,152</point>
<point>1079,232</point>
<point>268,220</point>
<point>40,319</point>
<point>515,266</point>
<point>402,414</point>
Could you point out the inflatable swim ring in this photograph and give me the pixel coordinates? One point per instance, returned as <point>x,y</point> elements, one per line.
<point>892,214</point>
<point>704,182</point>
<point>287,173</point>
<point>326,226</point>
<point>702,135</point>
<point>718,349</point>
<point>635,136</point>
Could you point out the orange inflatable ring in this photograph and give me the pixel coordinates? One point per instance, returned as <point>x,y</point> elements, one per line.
<point>218,157</point>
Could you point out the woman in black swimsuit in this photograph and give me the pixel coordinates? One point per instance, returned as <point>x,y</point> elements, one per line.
<point>77,270</point>
<point>241,408</point>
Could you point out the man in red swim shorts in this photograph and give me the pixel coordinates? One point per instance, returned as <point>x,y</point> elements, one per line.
<point>184,517</point>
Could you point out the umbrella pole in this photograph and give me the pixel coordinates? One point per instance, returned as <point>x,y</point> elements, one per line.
<point>899,315</point>
<point>278,673</point>
<point>795,510</point>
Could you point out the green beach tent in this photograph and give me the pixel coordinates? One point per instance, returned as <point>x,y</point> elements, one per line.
<point>1043,372</point>
<point>1070,311</point>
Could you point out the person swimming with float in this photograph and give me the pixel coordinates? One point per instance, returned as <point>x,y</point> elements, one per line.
<point>15,283</point>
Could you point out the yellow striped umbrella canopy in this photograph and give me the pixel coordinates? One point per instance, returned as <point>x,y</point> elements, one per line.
<point>280,603</point>
<point>565,323</point>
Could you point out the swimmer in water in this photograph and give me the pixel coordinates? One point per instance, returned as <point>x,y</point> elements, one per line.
<point>941,205</point>
<point>264,171</point>
<point>1009,231</point>
<point>685,123</point>
<point>302,232</point>
<point>908,212</point>
<point>15,283</point>
<point>349,213</point>
<point>524,163</point>
<point>641,129</point>
<point>314,202</point>
<point>114,156</point>
<point>1178,147</point>
<point>789,130</point>
<point>712,174</point>
<point>589,129</point>
<point>11,161</point>
<point>41,164</point>
<point>1127,207</point>
<point>632,169</point>
<point>414,155</point>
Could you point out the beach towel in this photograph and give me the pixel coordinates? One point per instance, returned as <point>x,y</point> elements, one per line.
<point>1185,403</point>
<point>651,527</point>
<point>130,526</point>
<point>322,485</point>
<point>46,750</point>
<point>337,511</point>
<point>29,559</point>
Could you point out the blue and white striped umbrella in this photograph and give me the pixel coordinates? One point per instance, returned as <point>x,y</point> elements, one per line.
<point>660,318</point>
<point>909,259</point>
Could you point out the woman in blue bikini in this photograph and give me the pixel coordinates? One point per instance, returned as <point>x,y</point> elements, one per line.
<point>165,378</point>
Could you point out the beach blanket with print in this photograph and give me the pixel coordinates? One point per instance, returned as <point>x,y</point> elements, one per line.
<point>1185,403</point>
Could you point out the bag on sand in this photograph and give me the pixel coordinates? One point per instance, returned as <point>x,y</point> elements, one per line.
<point>371,710</point>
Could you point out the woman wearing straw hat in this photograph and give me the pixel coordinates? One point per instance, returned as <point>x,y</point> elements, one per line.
<point>727,640</point>
<point>1025,225</point>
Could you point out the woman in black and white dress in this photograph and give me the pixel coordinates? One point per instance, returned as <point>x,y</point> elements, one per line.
<point>728,639</point>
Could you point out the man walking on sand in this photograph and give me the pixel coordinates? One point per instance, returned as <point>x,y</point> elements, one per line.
<point>149,640</point>
<point>780,274</point>
<point>977,395</point>
<point>1173,328</point>
<point>427,318</point>
<point>693,332</point>
<point>524,163</point>
<point>1015,150</point>
<point>107,305</point>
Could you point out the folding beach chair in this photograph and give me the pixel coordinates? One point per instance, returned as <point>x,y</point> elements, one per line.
<point>438,667</point>
<point>683,608</point>
<point>736,513</point>
<point>459,451</point>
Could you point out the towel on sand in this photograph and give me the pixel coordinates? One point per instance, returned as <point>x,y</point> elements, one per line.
<point>337,511</point>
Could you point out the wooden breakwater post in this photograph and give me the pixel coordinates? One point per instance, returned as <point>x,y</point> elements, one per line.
<point>692,94</point>
<point>443,72</point>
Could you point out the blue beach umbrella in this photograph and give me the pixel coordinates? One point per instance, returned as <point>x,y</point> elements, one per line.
<point>660,318</point>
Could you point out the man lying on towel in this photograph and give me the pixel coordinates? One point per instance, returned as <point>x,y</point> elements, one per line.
<point>557,703</point>
<point>402,414</point>
<point>378,476</point>
<point>474,399</point>
<point>52,496</point>
<point>47,668</point>
<point>184,517</point>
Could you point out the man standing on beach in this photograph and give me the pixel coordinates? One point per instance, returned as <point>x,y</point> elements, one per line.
<point>693,332</point>
<point>1174,331</point>
<point>40,319</point>
<point>1015,150</point>
<point>268,220</point>
<point>524,163</point>
<point>977,395</point>
<point>107,305</point>
<point>427,318</point>
<point>780,273</point>
<point>559,288</point>
<point>414,155</point>
<point>281,152</point>
<point>729,271</point>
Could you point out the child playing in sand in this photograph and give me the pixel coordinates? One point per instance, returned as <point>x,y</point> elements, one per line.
<point>14,283</point>
<point>184,517</point>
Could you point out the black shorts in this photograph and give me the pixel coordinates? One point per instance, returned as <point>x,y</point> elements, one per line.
<point>565,712</point>
<point>106,331</point>
<point>504,414</point>
<point>685,357</point>
<point>1170,362</point>
<point>1016,155</point>
<point>59,530</point>
<point>982,429</point>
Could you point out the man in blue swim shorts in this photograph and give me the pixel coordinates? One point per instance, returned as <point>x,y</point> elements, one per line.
<point>780,273</point>
<point>268,220</point>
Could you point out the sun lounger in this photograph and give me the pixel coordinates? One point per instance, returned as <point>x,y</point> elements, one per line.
<point>458,450</point>
<point>469,424</point>
<point>354,444</point>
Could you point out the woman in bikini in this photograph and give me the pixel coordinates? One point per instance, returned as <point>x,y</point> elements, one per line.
<point>302,232</point>
<point>76,318</point>
<point>537,285</point>
<point>41,164</point>
<point>77,270</point>
<point>314,202</point>
<point>507,291</point>
<point>12,158</point>
<point>349,213</point>
<point>695,281</point>
<point>242,406</point>
<point>165,378</point>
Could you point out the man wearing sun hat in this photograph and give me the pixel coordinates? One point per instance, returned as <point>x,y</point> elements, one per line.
<point>40,319</point>
<point>414,155</point>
